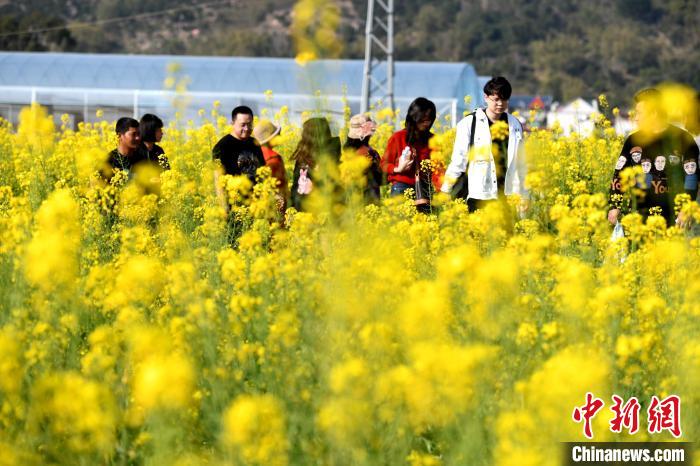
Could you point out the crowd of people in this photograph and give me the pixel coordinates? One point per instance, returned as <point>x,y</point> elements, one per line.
<point>488,163</point>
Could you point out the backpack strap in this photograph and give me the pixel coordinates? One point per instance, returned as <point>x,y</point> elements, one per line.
<point>460,190</point>
<point>471,133</point>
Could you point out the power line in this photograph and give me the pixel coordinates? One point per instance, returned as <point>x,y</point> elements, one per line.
<point>115,20</point>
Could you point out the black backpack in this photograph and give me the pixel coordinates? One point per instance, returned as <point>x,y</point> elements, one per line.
<point>460,190</point>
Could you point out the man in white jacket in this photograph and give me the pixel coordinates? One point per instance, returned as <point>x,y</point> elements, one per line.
<point>495,167</point>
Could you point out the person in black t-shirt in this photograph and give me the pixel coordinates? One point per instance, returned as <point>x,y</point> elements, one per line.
<point>127,154</point>
<point>151,128</point>
<point>238,152</point>
<point>668,156</point>
<point>500,152</point>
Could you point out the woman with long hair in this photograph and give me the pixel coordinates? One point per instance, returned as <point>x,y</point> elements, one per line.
<point>406,151</point>
<point>317,145</point>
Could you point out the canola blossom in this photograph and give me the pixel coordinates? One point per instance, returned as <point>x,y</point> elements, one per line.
<point>139,325</point>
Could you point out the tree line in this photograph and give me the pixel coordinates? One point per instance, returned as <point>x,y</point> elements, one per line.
<point>566,48</point>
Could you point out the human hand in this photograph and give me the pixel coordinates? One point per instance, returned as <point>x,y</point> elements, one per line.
<point>683,220</point>
<point>405,160</point>
<point>523,207</point>
<point>613,216</point>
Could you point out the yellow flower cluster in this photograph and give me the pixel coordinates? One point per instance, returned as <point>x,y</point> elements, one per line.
<point>314,25</point>
<point>144,323</point>
<point>254,427</point>
<point>499,131</point>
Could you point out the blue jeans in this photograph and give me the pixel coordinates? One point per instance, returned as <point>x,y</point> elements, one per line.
<point>398,188</point>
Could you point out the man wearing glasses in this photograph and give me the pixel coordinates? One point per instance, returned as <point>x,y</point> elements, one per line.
<point>488,159</point>
<point>238,152</point>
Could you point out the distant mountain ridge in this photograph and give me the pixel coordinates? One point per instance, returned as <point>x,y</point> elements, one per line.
<point>562,48</point>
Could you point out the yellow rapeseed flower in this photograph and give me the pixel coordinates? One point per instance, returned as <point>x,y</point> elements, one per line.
<point>255,428</point>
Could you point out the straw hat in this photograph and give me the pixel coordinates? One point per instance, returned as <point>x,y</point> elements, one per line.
<point>361,126</point>
<point>265,130</point>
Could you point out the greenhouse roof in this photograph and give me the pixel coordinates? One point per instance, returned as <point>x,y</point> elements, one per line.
<point>229,74</point>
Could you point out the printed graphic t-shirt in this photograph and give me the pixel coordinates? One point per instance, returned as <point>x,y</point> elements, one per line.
<point>669,160</point>
<point>239,157</point>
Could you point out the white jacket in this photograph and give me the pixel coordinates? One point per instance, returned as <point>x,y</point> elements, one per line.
<point>481,169</point>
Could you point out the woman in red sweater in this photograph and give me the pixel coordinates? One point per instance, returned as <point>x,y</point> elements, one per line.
<point>406,150</point>
<point>265,132</point>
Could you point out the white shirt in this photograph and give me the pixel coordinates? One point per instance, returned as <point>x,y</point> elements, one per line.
<point>479,163</point>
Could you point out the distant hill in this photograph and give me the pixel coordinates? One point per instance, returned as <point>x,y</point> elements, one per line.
<point>564,48</point>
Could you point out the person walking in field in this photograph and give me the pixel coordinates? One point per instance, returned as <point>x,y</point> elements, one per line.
<point>316,159</point>
<point>488,160</point>
<point>265,132</point>
<point>668,156</point>
<point>361,130</point>
<point>126,156</point>
<point>238,152</point>
<point>407,152</point>
<point>151,129</point>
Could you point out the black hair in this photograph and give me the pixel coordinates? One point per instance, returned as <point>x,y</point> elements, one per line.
<point>149,125</point>
<point>353,143</point>
<point>241,109</point>
<point>498,86</point>
<point>124,124</point>
<point>648,94</point>
<point>419,109</point>
<point>652,97</point>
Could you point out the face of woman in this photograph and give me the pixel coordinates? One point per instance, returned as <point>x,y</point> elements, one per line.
<point>159,134</point>
<point>425,123</point>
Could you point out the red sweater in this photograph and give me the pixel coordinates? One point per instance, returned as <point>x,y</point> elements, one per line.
<point>394,147</point>
<point>276,164</point>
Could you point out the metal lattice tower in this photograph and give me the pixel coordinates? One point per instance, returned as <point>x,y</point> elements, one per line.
<point>379,50</point>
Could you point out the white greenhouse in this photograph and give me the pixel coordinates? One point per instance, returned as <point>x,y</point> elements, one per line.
<point>131,85</point>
